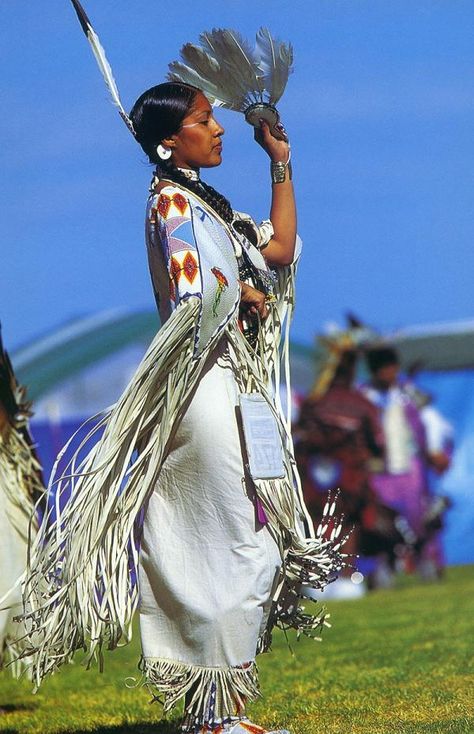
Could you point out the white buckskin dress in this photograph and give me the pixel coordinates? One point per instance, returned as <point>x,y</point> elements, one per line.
<point>162,514</point>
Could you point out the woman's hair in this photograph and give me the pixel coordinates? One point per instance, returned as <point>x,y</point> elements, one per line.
<point>159,113</point>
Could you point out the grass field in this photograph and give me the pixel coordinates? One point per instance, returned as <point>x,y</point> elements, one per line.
<point>396,662</point>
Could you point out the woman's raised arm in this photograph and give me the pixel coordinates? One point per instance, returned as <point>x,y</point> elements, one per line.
<point>281,248</point>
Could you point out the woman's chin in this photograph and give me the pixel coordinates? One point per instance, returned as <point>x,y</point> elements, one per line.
<point>214,160</point>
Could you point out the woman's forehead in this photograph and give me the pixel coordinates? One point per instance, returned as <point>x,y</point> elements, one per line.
<point>200,105</point>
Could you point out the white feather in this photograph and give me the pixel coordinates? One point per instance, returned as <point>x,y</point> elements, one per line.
<point>106,70</point>
<point>215,76</point>
<point>237,58</point>
<point>213,82</point>
<point>102,62</point>
<point>229,71</point>
<point>179,72</point>
<point>275,61</point>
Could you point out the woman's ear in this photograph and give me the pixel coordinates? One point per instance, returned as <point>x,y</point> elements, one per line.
<point>169,142</point>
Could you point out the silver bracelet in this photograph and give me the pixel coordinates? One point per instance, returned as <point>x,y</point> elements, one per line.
<point>278,171</point>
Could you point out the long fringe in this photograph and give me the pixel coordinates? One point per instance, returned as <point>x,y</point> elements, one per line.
<point>214,693</point>
<point>310,559</point>
<point>79,591</point>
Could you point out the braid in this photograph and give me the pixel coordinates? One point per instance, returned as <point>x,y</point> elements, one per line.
<point>213,198</point>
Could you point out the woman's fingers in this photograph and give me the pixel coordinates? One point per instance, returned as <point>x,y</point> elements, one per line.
<point>265,128</point>
<point>252,301</point>
<point>278,150</point>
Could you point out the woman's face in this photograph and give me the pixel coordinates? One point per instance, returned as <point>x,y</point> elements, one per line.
<point>198,143</point>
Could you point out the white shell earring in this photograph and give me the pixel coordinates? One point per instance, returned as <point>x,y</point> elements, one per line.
<point>163,153</point>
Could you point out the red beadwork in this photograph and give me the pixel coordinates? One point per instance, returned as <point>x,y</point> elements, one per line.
<point>175,269</point>
<point>163,206</point>
<point>180,202</point>
<point>221,279</point>
<point>190,267</point>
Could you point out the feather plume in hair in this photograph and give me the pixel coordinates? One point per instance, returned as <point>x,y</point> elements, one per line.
<point>102,62</point>
<point>234,75</point>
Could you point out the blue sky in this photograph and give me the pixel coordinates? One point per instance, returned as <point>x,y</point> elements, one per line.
<point>381,115</point>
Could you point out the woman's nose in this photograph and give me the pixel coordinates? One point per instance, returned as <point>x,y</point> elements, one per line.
<point>219,130</point>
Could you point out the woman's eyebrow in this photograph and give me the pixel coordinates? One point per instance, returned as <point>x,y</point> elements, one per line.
<point>197,114</point>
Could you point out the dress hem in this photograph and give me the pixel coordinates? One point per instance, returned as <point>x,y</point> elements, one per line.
<point>211,692</point>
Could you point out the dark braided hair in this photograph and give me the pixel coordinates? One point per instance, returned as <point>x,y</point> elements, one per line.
<point>159,113</point>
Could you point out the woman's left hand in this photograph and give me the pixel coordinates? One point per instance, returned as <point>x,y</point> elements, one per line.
<point>252,301</point>
<point>278,150</point>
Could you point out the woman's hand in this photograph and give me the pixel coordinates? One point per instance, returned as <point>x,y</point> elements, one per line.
<point>278,150</point>
<point>252,301</point>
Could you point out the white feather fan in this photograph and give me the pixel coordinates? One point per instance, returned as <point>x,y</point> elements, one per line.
<point>231,73</point>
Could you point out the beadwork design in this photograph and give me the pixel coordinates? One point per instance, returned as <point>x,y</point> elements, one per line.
<point>179,234</point>
<point>189,268</point>
<point>180,202</point>
<point>165,202</point>
<point>222,284</point>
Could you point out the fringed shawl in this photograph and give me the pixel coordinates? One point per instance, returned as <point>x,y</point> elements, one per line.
<point>80,591</point>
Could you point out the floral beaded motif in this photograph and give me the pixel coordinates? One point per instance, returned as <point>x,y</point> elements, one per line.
<point>222,284</point>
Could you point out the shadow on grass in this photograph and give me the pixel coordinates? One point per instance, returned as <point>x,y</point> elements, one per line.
<point>160,727</point>
<point>11,708</point>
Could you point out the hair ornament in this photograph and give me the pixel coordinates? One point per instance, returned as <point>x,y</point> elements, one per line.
<point>102,62</point>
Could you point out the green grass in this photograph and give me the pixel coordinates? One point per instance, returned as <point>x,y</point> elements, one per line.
<point>395,662</point>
